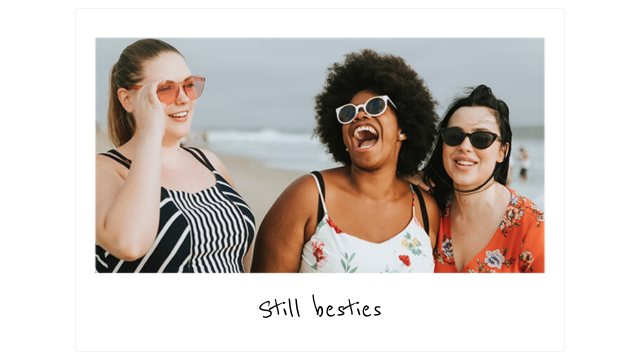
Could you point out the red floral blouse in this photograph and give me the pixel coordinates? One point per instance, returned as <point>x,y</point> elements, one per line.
<point>516,246</point>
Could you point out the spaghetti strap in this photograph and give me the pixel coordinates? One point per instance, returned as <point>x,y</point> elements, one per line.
<point>423,209</point>
<point>203,159</point>
<point>113,151</point>
<point>322,208</point>
<point>332,250</point>
<point>118,157</point>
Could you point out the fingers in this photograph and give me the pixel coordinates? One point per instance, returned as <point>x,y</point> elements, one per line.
<point>417,180</point>
<point>149,110</point>
<point>149,92</point>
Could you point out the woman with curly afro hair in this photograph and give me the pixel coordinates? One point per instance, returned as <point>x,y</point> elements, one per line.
<point>377,118</point>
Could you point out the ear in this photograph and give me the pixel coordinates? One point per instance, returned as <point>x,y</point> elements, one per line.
<point>504,150</point>
<point>125,99</point>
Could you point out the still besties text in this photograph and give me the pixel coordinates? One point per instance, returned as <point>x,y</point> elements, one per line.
<point>291,308</point>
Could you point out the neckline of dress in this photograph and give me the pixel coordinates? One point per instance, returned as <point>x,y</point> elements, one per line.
<point>413,219</point>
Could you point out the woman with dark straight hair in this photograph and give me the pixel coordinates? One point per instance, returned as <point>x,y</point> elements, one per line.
<point>484,226</point>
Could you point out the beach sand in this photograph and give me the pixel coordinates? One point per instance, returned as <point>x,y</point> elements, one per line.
<point>258,185</point>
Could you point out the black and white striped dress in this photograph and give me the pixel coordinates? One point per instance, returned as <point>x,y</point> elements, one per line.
<point>207,231</point>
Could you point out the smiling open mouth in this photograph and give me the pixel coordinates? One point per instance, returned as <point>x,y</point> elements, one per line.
<point>366,137</point>
<point>180,114</point>
<point>465,163</point>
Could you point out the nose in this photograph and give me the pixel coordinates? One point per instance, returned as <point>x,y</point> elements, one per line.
<point>182,96</point>
<point>360,115</point>
<point>466,144</point>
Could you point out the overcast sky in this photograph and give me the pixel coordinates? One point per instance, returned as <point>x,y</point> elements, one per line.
<point>271,83</point>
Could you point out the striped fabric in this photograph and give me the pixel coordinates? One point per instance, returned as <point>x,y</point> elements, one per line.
<point>207,231</point>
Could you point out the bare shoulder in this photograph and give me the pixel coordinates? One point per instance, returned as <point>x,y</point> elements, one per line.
<point>213,158</point>
<point>302,188</point>
<point>333,177</point>
<point>286,227</point>
<point>103,160</point>
<point>108,168</point>
<point>218,165</point>
<point>298,201</point>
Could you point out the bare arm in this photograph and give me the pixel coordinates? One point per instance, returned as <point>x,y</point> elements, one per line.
<point>286,227</point>
<point>127,213</point>
<point>418,180</point>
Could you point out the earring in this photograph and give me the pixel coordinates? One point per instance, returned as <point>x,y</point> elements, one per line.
<point>401,137</point>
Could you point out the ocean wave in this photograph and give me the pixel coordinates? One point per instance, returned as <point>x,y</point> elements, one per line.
<point>302,152</point>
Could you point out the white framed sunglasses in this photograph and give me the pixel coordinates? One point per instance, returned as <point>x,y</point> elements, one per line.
<point>375,106</point>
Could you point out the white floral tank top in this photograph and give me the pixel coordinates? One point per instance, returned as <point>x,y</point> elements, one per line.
<point>331,250</point>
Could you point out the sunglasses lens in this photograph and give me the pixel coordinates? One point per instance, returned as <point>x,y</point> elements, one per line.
<point>373,107</point>
<point>376,106</point>
<point>347,114</point>
<point>168,92</point>
<point>194,88</point>
<point>481,140</point>
<point>452,137</point>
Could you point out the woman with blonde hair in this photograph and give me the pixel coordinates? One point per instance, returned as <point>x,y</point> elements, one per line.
<point>161,207</point>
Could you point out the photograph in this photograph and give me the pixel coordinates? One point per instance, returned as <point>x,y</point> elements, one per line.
<point>246,157</point>
<point>255,118</point>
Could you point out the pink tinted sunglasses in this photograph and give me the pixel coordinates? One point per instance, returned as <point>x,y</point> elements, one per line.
<point>169,91</point>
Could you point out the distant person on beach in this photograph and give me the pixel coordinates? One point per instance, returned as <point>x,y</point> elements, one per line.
<point>525,164</point>
<point>361,217</point>
<point>161,207</point>
<point>485,226</point>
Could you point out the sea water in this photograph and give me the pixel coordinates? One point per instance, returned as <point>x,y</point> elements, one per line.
<point>274,148</point>
<point>532,140</point>
<point>301,152</point>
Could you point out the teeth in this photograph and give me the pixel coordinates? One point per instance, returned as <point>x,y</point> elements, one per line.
<point>180,114</point>
<point>364,128</point>
<point>461,162</point>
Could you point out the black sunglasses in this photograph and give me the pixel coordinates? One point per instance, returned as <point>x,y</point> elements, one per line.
<point>479,139</point>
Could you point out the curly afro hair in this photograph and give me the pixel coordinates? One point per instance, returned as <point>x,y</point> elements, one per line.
<point>383,74</point>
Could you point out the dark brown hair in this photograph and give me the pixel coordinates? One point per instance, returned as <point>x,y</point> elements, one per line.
<point>435,172</point>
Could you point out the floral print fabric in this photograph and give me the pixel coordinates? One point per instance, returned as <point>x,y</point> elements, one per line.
<point>516,246</point>
<point>331,250</point>
<point>334,251</point>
